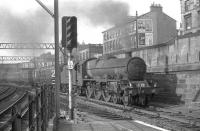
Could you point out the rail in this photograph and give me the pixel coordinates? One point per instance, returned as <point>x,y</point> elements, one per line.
<point>31,111</point>
<point>6,93</point>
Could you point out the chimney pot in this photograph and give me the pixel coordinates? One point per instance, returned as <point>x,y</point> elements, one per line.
<point>156,7</point>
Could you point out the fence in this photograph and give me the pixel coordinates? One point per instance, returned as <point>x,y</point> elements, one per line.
<point>32,112</point>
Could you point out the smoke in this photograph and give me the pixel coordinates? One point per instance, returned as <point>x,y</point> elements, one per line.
<point>29,27</point>
<point>97,12</point>
<point>37,26</point>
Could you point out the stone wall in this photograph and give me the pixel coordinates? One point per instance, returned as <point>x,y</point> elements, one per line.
<point>180,87</point>
<point>188,86</point>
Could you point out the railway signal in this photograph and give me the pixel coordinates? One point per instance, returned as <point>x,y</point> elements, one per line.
<point>69,32</point>
<point>69,41</point>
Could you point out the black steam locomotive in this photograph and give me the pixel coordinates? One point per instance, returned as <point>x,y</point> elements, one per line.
<point>117,80</point>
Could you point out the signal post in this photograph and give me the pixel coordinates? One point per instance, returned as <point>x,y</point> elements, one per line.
<point>69,41</point>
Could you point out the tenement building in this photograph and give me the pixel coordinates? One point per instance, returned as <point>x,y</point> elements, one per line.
<point>152,28</point>
<point>86,51</point>
<point>190,15</point>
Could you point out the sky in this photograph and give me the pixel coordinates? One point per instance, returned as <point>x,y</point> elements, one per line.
<point>26,21</point>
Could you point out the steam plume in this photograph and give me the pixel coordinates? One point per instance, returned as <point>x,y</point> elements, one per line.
<point>38,26</point>
<point>98,13</point>
<point>32,27</point>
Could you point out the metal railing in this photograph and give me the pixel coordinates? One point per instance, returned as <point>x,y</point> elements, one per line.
<point>31,111</point>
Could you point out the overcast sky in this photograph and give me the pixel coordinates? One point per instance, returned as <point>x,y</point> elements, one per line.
<point>26,21</point>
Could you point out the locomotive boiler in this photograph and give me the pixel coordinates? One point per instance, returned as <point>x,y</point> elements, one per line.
<point>117,80</point>
<point>112,68</point>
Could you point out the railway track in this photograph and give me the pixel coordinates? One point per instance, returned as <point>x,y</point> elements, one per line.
<point>3,89</point>
<point>101,113</point>
<point>6,92</point>
<point>9,98</point>
<point>156,116</point>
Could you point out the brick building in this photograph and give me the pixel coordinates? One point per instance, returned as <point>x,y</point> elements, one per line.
<point>154,27</point>
<point>86,51</point>
<point>190,15</point>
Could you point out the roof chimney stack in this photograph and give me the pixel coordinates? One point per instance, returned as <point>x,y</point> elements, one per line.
<point>156,7</point>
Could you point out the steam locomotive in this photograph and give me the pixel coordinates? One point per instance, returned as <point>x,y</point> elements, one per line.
<point>111,79</point>
<point>117,80</point>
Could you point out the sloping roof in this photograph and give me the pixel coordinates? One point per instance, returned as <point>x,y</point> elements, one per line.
<point>132,19</point>
<point>129,19</point>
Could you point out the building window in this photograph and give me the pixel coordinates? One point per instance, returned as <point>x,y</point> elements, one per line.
<point>199,55</point>
<point>117,44</point>
<point>80,56</point>
<point>104,36</point>
<point>84,57</point>
<point>107,47</point>
<point>87,55</point>
<point>188,22</point>
<point>188,5</point>
<point>104,47</point>
<point>198,18</point>
<point>132,28</point>
<point>110,46</point>
<point>119,32</point>
<point>114,45</point>
<point>198,3</point>
<point>108,36</point>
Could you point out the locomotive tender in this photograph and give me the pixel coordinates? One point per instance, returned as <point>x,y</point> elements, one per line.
<point>117,80</point>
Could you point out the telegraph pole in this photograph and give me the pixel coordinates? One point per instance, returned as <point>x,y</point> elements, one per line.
<point>56,37</point>
<point>137,42</point>
<point>57,71</point>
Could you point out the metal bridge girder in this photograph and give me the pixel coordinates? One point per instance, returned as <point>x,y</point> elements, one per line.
<point>27,46</point>
<point>16,58</point>
<point>41,62</point>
